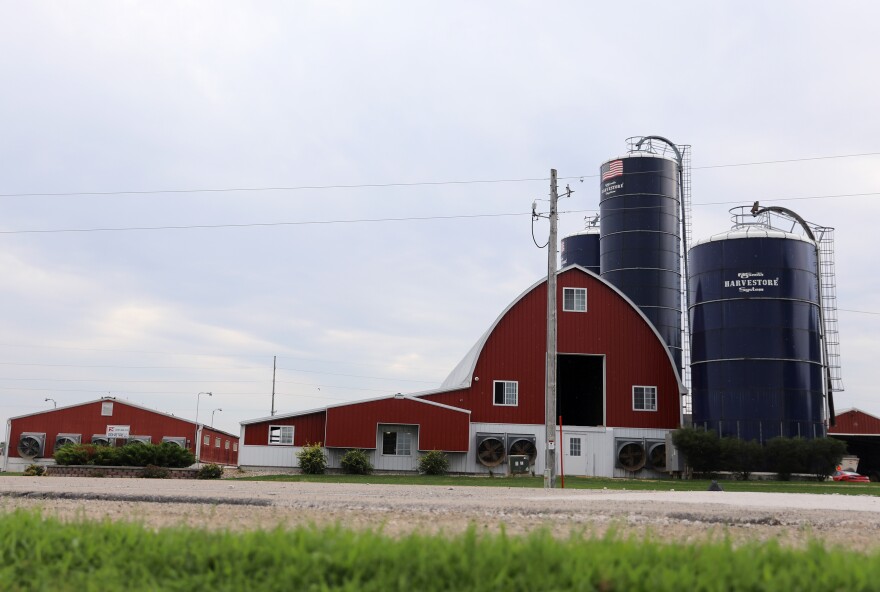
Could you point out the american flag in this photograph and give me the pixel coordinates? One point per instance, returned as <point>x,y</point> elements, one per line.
<point>615,169</point>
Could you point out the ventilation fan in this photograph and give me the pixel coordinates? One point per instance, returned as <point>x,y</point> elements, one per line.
<point>65,439</point>
<point>139,440</point>
<point>177,441</point>
<point>102,440</point>
<point>631,456</point>
<point>657,456</point>
<point>30,445</point>
<point>490,450</point>
<point>523,446</point>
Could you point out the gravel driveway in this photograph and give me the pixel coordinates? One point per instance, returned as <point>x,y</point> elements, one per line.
<point>850,521</point>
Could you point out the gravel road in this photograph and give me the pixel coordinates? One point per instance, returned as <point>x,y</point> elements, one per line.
<point>793,519</point>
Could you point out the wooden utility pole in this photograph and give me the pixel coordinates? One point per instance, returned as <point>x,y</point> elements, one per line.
<point>550,382</point>
<point>273,384</point>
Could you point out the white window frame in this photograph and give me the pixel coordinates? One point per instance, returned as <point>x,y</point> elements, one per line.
<point>235,447</point>
<point>217,442</point>
<point>648,395</point>
<point>507,395</point>
<point>282,439</point>
<point>575,304</point>
<point>107,409</point>
<point>402,443</point>
<point>572,449</point>
<point>227,445</point>
<point>207,440</point>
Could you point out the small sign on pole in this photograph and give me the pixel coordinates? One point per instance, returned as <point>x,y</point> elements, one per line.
<point>118,431</point>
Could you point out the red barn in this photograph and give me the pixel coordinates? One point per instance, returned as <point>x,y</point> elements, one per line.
<point>861,432</point>
<point>618,394</point>
<point>34,438</point>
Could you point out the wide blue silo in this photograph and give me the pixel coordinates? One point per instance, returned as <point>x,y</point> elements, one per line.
<point>582,248</point>
<point>640,238</point>
<point>756,358</point>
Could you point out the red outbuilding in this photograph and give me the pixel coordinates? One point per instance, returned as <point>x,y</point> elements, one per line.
<point>861,432</point>
<point>35,437</point>
<point>618,394</point>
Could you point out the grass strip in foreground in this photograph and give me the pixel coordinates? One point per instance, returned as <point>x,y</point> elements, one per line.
<point>39,553</point>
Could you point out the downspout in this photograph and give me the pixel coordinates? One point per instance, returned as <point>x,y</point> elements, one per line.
<point>6,451</point>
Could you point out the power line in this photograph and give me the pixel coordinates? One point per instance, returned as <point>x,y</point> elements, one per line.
<point>399,184</point>
<point>867,312</point>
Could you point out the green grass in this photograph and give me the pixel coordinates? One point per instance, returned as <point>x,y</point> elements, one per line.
<point>826,487</point>
<point>39,553</point>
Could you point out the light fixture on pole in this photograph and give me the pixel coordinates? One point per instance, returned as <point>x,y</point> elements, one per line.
<point>53,401</point>
<point>212,415</point>
<point>198,443</point>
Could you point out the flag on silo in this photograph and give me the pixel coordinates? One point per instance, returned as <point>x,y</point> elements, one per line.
<point>615,169</point>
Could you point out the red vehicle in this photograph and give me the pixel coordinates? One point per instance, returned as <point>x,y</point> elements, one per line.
<point>849,476</point>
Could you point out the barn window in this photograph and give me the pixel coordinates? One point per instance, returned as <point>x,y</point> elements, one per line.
<point>644,398</point>
<point>207,440</point>
<point>397,443</point>
<point>574,299</point>
<point>227,444</point>
<point>281,435</point>
<point>506,392</point>
<point>217,443</point>
<point>574,446</point>
<point>234,447</point>
<point>107,408</point>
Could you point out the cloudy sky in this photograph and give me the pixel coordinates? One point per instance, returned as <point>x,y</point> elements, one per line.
<point>371,167</point>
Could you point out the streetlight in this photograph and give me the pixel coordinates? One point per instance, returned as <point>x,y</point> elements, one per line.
<point>198,446</point>
<point>212,415</point>
<point>54,402</point>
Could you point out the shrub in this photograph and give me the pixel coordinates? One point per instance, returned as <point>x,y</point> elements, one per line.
<point>34,470</point>
<point>211,471</point>
<point>741,457</point>
<point>131,455</point>
<point>312,460</point>
<point>356,462</point>
<point>701,449</point>
<point>154,472</point>
<point>823,455</point>
<point>786,456</point>
<point>434,462</point>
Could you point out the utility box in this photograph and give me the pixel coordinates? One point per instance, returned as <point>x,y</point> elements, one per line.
<point>518,464</point>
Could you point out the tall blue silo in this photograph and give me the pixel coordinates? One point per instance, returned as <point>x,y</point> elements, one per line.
<point>640,238</point>
<point>756,357</point>
<point>582,248</point>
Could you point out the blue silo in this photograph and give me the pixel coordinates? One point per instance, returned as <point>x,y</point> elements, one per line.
<point>756,357</point>
<point>640,238</point>
<point>582,248</point>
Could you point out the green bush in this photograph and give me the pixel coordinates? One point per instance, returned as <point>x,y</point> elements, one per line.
<point>211,471</point>
<point>131,455</point>
<point>356,462</point>
<point>786,456</point>
<point>741,457</point>
<point>823,455</point>
<point>154,472</point>
<point>701,449</point>
<point>312,460</point>
<point>34,470</point>
<point>434,462</point>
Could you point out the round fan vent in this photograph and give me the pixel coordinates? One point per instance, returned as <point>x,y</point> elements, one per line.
<point>490,451</point>
<point>524,448</point>
<point>631,456</point>
<point>657,457</point>
<point>29,447</point>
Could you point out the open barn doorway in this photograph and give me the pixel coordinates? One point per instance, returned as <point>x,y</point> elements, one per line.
<point>580,389</point>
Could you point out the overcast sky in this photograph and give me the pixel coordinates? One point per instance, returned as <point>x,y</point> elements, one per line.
<point>113,103</point>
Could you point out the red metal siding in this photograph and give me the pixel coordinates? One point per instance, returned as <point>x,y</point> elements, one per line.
<point>355,425</point>
<point>308,429</point>
<point>516,350</point>
<point>220,455</point>
<point>856,422</point>
<point>86,419</point>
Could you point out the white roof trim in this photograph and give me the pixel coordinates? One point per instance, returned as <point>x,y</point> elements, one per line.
<point>462,375</point>
<point>410,397</point>
<point>854,409</point>
<point>123,402</point>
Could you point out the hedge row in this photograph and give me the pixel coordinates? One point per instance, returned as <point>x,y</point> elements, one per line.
<point>131,455</point>
<point>706,453</point>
